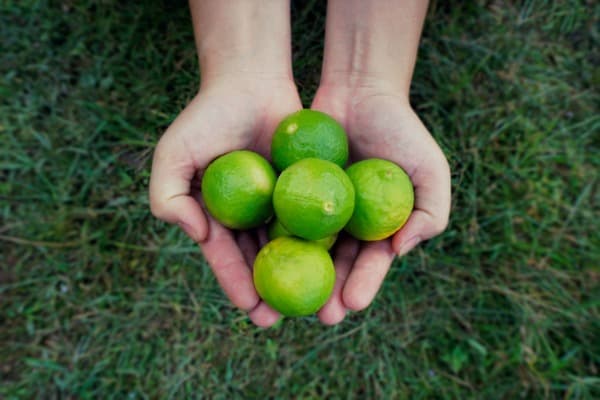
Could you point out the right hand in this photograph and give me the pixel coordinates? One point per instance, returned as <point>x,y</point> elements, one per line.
<point>229,113</point>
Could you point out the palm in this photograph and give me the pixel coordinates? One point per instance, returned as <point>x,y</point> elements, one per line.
<point>235,115</point>
<point>385,127</point>
<point>382,124</point>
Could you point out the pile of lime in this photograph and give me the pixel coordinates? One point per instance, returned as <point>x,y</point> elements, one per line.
<point>305,206</point>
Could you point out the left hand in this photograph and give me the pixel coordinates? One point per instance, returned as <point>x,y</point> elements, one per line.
<point>381,123</point>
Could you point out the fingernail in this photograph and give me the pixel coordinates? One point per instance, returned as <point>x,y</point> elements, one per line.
<point>188,230</point>
<point>409,245</point>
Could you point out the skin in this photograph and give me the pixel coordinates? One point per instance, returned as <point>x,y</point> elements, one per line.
<point>370,53</point>
<point>247,88</point>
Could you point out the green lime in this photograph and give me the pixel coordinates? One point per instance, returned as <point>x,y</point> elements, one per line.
<point>237,189</point>
<point>294,276</point>
<point>384,199</point>
<point>313,198</point>
<point>308,134</point>
<point>276,230</point>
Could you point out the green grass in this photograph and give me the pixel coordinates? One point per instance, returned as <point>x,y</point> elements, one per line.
<point>100,300</point>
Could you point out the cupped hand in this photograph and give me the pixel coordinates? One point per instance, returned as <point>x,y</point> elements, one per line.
<point>381,123</point>
<point>231,113</point>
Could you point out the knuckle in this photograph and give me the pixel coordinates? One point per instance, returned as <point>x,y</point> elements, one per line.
<point>158,208</point>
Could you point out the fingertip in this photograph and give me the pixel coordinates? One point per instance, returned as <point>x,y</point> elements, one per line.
<point>196,218</point>
<point>202,229</point>
<point>355,301</point>
<point>184,211</point>
<point>332,313</point>
<point>402,247</point>
<point>197,231</point>
<point>263,316</point>
<point>421,225</point>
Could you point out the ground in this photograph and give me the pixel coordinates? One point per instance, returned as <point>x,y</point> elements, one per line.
<point>101,300</point>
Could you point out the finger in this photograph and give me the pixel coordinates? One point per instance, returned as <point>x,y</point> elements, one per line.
<point>432,208</point>
<point>247,244</point>
<point>263,315</point>
<point>169,193</point>
<point>334,311</point>
<point>263,238</point>
<point>229,266</point>
<point>369,270</point>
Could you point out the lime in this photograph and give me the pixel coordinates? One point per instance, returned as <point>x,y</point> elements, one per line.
<point>308,134</point>
<point>237,189</point>
<point>384,199</point>
<point>313,198</point>
<point>294,276</point>
<point>276,230</point>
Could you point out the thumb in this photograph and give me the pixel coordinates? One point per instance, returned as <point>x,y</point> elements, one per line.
<point>432,208</point>
<point>170,189</point>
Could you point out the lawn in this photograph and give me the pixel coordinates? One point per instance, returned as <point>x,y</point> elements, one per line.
<point>101,300</point>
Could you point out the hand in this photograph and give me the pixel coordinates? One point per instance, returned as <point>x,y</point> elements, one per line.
<point>380,123</point>
<point>230,113</point>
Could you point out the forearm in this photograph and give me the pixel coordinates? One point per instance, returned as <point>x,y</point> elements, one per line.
<point>242,37</point>
<point>372,42</point>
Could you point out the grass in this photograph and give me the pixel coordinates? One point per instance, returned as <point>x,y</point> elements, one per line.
<point>100,300</point>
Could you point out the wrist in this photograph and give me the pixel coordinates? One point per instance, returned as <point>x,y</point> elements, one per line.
<point>362,82</point>
<point>248,59</point>
<point>357,88</point>
<point>242,37</point>
<point>256,83</point>
<point>372,44</point>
